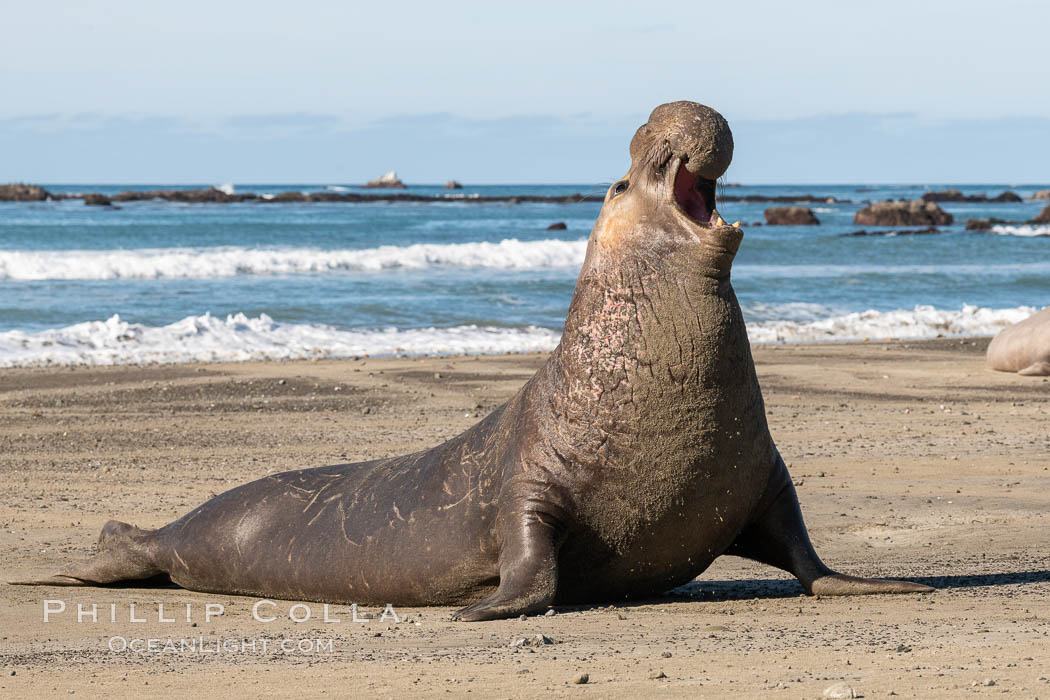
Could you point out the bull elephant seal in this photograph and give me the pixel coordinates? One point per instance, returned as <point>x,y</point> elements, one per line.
<point>1023,347</point>
<point>632,459</point>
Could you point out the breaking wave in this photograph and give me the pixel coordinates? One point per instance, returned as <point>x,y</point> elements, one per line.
<point>183,263</point>
<point>1022,230</point>
<point>238,338</point>
<point>920,322</point>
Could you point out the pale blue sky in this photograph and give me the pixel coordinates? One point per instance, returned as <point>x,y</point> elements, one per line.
<point>540,92</point>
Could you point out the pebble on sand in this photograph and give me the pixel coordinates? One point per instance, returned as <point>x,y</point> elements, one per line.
<point>839,690</point>
<point>581,679</point>
<point>538,640</point>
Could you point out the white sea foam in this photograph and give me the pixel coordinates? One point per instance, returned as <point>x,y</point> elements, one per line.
<point>920,322</point>
<point>230,261</point>
<point>761,271</point>
<point>1033,230</point>
<point>238,338</point>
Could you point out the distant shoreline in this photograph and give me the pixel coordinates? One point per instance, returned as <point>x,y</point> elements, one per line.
<point>212,195</point>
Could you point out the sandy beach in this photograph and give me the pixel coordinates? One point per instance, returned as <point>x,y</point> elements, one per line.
<point>911,460</point>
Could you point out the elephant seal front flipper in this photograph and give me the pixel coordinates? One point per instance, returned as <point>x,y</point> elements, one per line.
<point>778,537</point>
<point>528,574</point>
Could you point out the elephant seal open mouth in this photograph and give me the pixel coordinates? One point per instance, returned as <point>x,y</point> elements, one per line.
<point>634,457</point>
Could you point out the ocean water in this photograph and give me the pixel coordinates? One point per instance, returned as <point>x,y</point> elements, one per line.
<point>166,282</point>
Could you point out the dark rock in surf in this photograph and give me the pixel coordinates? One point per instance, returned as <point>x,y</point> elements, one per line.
<point>791,216</point>
<point>958,196</point>
<point>95,199</point>
<point>902,213</point>
<point>17,192</point>
<point>210,195</point>
<point>985,224</point>
<point>785,198</point>
<point>901,232</point>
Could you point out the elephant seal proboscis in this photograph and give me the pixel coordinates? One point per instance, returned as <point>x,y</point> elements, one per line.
<point>634,457</point>
<point>1023,347</point>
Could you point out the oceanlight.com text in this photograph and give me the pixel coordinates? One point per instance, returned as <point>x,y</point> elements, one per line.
<point>206,646</point>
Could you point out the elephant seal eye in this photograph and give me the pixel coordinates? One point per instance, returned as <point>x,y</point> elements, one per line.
<point>620,187</point>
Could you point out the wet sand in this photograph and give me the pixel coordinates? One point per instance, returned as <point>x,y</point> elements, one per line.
<point>911,460</point>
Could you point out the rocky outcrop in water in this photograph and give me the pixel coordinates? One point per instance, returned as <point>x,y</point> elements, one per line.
<point>390,181</point>
<point>985,224</point>
<point>17,192</point>
<point>786,198</point>
<point>902,232</point>
<point>211,195</point>
<point>97,200</point>
<point>352,197</point>
<point>453,185</point>
<point>1041,218</point>
<point>791,216</point>
<point>902,213</point>
<point>557,226</point>
<point>1041,194</point>
<point>957,196</point>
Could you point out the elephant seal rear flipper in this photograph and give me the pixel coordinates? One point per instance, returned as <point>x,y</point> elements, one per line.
<point>123,555</point>
<point>778,537</point>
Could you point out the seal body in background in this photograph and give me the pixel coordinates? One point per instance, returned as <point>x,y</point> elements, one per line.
<point>634,457</point>
<point>1023,347</point>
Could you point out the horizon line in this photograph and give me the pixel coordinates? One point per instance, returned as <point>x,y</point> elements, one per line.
<point>328,183</point>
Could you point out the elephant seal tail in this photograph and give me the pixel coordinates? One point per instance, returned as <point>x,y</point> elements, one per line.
<point>124,553</point>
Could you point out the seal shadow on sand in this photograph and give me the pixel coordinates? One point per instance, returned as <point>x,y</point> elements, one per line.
<point>724,590</point>
<point>749,589</point>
